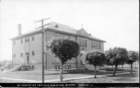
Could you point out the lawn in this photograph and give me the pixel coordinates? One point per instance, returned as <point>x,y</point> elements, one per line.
<point>121,78</point>
<point>103,76</point>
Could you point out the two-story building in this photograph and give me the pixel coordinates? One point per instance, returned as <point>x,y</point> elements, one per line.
<point>27,48</point>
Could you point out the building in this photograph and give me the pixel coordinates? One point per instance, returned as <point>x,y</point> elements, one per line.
<point>27,48</point>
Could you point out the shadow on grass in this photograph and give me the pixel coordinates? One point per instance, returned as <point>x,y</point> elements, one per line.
<point>118,69</point>
<point>89,72</point>
<point>127,77</point>
<point>102,71</point>
<point>124,75</point>
<point>86,71</point>
<point>99,72</point>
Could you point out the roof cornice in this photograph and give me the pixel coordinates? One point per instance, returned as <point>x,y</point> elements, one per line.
<point>48,29</point>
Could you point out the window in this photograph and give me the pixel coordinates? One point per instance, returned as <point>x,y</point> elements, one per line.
<point>56,26</point>
<point>100,46</point>
<point>27,39</point>
<point>33,53</point>
<point>92,44</point>
<point>83,43</point>
<point>33,38</point>
<point>27,53</point>
<point>14,55</point>
<point>14,42</point>
<point>21,41</point>
<point>21,54</point>
<point>96,44</point>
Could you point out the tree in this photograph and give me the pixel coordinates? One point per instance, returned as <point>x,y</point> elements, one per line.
<point>96,59</point>
<point>109,54</point>
<point>132,57</point>
<point>65,50</point>
<point>116,56</point>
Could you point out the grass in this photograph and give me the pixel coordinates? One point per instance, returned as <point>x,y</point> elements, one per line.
<point>122,78</point>
<point>132,78</point>
<point>36,75</point>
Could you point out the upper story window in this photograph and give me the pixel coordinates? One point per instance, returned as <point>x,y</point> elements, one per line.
<point>83,43</point>
<point>27,39</point>
<point>27,53</point>
<point>33,53</point>
<point>21,41</point>
<point>56,26</point>
<point>14,42</point>
<point>100,45</point>
<point>96,44</point>
<point>21,54</point>
<point>14,55</point>
<point>33,38</point>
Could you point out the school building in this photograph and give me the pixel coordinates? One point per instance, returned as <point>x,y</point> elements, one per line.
<point>27,48</point>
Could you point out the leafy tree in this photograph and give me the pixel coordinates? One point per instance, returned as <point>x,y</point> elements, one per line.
<point>109,54</point>
<point>65,50</point>
<point>116,56</point>
<point>132,57</point>
<point>96,59</point>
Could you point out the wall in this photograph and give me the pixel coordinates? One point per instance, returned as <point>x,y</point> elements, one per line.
<point>24,47</point>
<point>36,46</point>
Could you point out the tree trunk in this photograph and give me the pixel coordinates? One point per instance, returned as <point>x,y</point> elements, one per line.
<point>76,63</point>
<point>131,68</point>
<point>95,72</point>
<point>122,66</point>
<point>134,65</point>
<point>61,73</point>
<point>115,69</point>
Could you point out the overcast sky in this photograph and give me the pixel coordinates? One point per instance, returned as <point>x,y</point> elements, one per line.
<point>115,21</point>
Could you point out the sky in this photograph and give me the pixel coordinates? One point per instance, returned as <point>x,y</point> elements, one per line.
<point>115,21</point>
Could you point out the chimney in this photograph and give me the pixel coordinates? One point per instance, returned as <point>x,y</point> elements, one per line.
<point>19,29</point>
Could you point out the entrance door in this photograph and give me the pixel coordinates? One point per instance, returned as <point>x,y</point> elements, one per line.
<point>28,59</point>
<point>46,61</point>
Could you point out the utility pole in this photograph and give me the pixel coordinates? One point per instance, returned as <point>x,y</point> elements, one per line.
<point>43,47</point>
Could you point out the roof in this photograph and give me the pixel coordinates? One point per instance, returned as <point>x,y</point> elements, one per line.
<point>54,26</point>
<point>62,27</point>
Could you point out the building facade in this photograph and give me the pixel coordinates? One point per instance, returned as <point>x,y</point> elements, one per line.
<point>27,48</point>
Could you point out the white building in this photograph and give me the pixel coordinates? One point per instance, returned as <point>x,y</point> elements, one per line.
<point>27,48</point>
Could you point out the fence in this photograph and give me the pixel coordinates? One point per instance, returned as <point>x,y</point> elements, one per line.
<point>67,67</point>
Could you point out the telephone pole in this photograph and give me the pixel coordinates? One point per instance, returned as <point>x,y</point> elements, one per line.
<point>43,47</point>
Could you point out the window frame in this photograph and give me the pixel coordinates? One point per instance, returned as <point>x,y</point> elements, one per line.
<point>33,53</point>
